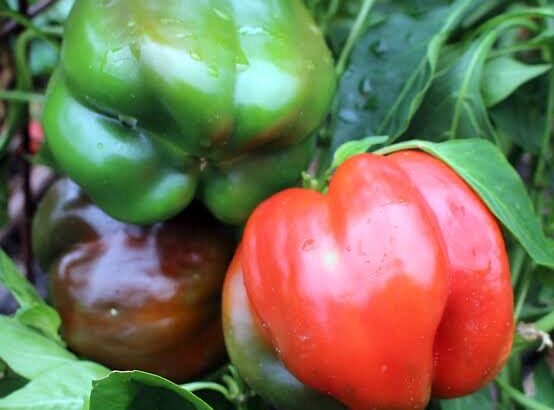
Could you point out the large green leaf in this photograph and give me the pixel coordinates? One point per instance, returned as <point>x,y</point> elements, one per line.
<point>63,388</point>
<point>453,107</point>
<point>27,352</point>
<point>25,294</point>
<point>142,391</point>
<point>391,68</point>
<point>483,166</point>
<point>34,311</point>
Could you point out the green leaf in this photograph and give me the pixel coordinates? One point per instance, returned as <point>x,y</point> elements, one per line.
<point>453,107</point>
<point>25,294</point>
<point>480,400</point>
<point>503,75</point>
<point>27,352</point>
<point>543,383</point>
<point>141,391</point>
<point>391,68</point>
<point>486,170</point>
<point>351,148</point>
<point>479,11</point>
<point>34,312</point>
<point>41,317</point>
<point>65,387</point>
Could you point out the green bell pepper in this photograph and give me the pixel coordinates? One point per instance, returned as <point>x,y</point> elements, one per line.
<point>158,102</point>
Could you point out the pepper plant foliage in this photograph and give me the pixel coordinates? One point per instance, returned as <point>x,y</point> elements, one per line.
<point>469,81</point>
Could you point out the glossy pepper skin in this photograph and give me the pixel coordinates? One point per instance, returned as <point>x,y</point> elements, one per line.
<point>391,288</point>
<point>156,102</point>
<point>134,297</point>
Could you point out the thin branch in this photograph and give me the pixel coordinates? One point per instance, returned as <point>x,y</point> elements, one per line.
<point>355,32</point>
<point>40,6</point>
<point>41,179</point>
<point>20,96</point>
<point>28,208</point>
<point>32,11</point>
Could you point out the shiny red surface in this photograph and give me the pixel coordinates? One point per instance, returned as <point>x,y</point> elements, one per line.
<point>475,334</point>
<point>369,293</point>
<point>343,283</point>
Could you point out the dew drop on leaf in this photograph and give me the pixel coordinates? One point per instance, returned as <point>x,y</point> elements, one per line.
<point>378,48</point>
<point>365,86</point>
<point>348,115</point>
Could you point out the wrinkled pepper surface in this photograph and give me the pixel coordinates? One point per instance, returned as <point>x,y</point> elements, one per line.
<point>156,102</point>
<point>134,297</point>
<point>391,288</point>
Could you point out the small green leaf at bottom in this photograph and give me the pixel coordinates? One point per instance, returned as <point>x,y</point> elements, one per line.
<point>66,387</point>
<point>138,390</point>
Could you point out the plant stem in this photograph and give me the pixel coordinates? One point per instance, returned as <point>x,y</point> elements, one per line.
<point>195,386</point>
<point>518,257</point>
<point>20,96</point>
<point>355,32</point>
<point>545,324</point>
<point>503,398</point>
<point>521,398</point>
<point>522,294</point>
<point>531,45</point>
<point>25,84</point>
<point>31,11</point>
<point>329,13</point>
<point>530,12</point>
